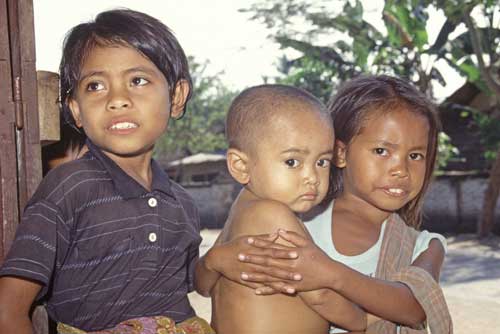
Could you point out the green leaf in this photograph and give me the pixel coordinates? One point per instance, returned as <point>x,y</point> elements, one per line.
<point>470,70</point>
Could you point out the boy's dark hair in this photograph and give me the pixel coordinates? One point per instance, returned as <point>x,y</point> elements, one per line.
<point>124,27</point>
<point>71,140</point>
<point>363,95</point>
<point>255,106</point>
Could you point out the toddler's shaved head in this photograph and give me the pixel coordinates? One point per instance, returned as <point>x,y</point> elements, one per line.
<point>256,107</point>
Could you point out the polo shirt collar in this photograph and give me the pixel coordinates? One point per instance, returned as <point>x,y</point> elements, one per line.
<point>125,185</point>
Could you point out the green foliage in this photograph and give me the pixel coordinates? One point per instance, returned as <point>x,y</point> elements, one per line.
<point>202,127</point>
<point>335,43</point>
<point>405,22</point>
<point>490,134</point>
<point>446,151</point>
<point>341,44</point>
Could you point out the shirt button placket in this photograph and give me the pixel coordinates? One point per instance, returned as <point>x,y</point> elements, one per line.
<point>152,237</point>
<point>153,203</point>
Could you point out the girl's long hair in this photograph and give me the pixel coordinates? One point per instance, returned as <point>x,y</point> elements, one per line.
<point>363,95</point>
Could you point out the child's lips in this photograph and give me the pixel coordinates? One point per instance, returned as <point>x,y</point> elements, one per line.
<point>309,196</point>
<point>122,126</point>
<point>396,191</point>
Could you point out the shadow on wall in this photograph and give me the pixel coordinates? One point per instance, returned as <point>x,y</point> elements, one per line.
<point>454,202</point>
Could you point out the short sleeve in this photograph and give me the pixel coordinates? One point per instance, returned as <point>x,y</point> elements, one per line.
<point>423,240</point>
<point>33,252</point>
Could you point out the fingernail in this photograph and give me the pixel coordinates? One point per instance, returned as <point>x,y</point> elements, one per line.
<point>258,292</point>
<point>250,240</point>
<point>244,276</point>
<point>241,257</point>
<point>290,290</point>
<point>293,255</point>
<point>297,277</point>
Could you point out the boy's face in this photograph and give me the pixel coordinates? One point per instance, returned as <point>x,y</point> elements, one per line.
<point>122,101</point>
<point>291,163</point>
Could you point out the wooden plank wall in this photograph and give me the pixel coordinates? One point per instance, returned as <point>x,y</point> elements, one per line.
<point>20,157</point>
<point>8,166</point>
<point>25,97</point>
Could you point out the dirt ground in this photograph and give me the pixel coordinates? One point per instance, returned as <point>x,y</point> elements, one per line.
<point>470,279</point>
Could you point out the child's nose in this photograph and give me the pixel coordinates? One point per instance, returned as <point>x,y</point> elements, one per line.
<point>118,99</point>
<point>311,177</point>
<point>400,169</point>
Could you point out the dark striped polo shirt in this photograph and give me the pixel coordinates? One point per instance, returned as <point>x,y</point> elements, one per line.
<point>104,248</point>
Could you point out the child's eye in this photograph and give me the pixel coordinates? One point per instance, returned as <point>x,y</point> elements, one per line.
<point>380,151</point>
<point>292,163</point>
<point>94,86</point>
<point>417,156</point>
<point>138,81</point>
<point>325,163</point>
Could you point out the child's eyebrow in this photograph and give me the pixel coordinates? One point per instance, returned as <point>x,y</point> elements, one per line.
<point>127,71</point>
<point>392,145</point>
<point>141,69</point>
<point>384,143</point>
<point>419,148</point>
<point>295,150</point>
<point>90,74</point>
<point>301,151</point>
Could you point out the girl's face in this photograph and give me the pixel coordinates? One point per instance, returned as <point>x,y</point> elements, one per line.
<point>122,101</point>
<point>384,165</point>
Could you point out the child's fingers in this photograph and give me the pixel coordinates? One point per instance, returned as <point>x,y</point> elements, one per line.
<point>269,259</point>
<point>257,277</point>
<point>262,243</point>
<point>265,239</point>
<point>281,287</point>
<point>272,249</point>
<point>266,253</point>
<point>294,238</point>
<point>269,237</point>
<point>266,291</point>
<point>270,274</point>
<point>272,288</point>
<point>251,285</point>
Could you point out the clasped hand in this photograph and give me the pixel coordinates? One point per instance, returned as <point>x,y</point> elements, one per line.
<point>274,268</point>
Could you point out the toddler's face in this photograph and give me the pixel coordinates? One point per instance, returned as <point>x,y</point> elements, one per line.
<point>122,101</point>
<point>292,162</point>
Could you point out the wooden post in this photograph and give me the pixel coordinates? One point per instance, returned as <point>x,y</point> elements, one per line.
<point>8,166</point>
<point>20,160</point>
<point>22,41</point>
<point>48,106</point>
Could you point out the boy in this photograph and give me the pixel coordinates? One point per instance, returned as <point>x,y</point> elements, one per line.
<point>108,240</point>
<point>280,148</point>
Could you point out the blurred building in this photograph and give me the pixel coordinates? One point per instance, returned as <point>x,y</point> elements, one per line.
<point>207,180</point>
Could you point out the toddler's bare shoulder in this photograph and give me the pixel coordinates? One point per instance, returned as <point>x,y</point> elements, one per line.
<point>265,216</point>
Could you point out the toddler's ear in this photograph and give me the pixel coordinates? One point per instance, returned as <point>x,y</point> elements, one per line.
<point>237,164</point>
<point>179,98</point>
<point>340,154</point>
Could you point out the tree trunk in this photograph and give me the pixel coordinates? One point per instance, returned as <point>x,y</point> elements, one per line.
<point>487,216</point>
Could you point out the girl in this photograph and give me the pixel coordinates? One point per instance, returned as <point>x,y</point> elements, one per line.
<point>385,154</point>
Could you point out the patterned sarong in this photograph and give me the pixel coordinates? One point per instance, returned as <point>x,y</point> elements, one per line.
<point>148,325</point>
